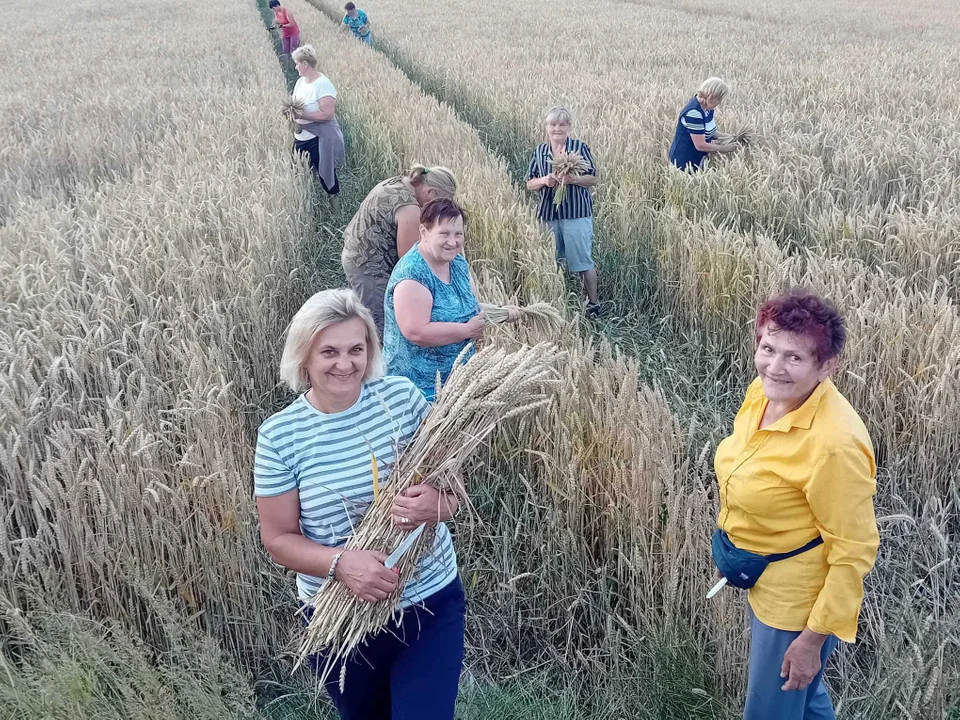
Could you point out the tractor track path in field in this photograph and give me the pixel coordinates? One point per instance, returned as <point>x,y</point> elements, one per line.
<point>698,383</point>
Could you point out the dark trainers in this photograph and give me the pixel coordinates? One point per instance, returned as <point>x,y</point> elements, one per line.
<point>594,311</point>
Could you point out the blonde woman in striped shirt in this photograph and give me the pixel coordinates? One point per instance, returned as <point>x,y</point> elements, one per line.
<point>313,476</point>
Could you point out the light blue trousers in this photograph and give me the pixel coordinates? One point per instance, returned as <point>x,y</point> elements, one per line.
<point>765,699</point>
<point>573,240</point>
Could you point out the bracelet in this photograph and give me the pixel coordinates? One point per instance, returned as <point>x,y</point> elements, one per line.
<point>333,565</point>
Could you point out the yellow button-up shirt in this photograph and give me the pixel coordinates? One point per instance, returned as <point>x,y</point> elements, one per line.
<point>810,473</point>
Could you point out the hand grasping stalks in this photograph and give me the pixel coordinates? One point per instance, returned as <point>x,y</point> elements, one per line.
<point>566,165</point>
<point>539,314</point>
<point>744,137</point>
<point>494,387</point>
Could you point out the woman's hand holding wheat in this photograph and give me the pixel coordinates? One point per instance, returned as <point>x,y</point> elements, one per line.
<point>363,574</point>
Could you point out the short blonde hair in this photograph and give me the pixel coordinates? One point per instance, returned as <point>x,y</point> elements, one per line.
<point>713,88</point>
<point>439,178</point>
<point>326,308</point>
<point>307,54</point>
<point>558,113</point>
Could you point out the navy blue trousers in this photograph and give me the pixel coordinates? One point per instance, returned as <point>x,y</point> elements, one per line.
<point>408,670</point>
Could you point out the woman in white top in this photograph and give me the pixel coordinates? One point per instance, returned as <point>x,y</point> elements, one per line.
<point>319,136</point>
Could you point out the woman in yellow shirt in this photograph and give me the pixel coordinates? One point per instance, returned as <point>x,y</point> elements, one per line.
<point>798,466</point>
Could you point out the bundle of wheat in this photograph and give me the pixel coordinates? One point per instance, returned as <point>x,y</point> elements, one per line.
<point>494,387</point>
<point>745,136</point>
<point>292,109</point>
<point>742,137</point>
<point>541,314</point>
<point>566,165</point>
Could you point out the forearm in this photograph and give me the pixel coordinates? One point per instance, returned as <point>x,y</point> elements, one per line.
<point>583,180</point>
<point>812,638</point>
<point>317,115</point>
<point>437,334</point>
<point>300,554</point>
<point>537,183</point>
<point>716,147</point>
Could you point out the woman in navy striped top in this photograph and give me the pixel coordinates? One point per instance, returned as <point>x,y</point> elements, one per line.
<point>313,476</point>
<point>570,222</point>
<point>693,139</point>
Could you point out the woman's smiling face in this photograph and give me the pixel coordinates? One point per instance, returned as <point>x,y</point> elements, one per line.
<point>444,241</point>
<point>788,365</point>
<point>337,360</point>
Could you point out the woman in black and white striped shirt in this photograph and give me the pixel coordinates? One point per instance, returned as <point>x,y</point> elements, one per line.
<point>570,221</point>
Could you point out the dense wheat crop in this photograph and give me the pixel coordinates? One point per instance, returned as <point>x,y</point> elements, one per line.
<point>151,223</point>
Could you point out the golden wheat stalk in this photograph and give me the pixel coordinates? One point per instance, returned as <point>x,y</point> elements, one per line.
<point>292,108</point>
<point>744,137</point>
<point>541,314</point>
<point>566,164</point>
<point>493,387</point>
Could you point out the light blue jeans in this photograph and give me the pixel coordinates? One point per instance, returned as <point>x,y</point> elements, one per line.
<point>573,241</point>
<point>366,39</point>
<point>765,699</point>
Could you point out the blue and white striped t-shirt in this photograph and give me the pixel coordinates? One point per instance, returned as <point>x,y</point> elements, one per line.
<point>578,200</point>
<point>326,458</point>
<point>693,120</point>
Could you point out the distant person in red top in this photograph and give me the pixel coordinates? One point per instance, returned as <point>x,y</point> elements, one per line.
<point>289,30</point>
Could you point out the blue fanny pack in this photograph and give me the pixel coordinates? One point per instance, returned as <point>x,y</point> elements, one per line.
<point>743,568</point>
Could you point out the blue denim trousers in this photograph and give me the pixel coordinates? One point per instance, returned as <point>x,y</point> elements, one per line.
<point>765,699</point>
<point>409,670</point>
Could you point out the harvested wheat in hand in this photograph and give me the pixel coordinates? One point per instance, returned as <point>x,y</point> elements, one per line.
<point>292,108</point>
<point>492,388</point>
<point>567,165</point>
<point>745,136</point>
<point>543,314</point>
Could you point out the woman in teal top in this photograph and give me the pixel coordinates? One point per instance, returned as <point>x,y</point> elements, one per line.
<point>430,309</point>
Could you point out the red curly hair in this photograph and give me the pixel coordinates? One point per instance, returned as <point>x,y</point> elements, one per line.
<point>804,313</point>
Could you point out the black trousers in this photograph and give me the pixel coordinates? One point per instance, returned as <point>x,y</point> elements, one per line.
<point>311,148</point>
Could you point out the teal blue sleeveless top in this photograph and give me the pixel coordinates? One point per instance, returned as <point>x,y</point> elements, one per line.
<point>451,303</point>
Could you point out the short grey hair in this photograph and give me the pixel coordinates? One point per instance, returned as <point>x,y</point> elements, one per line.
<point>326,308</point>
<point>713,88</point>
<point>558,113</point>
<point>307,54</point>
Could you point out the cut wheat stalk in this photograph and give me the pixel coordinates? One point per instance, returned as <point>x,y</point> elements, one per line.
<point>541,314</point>
<point>292,108</point>
<point>743,137</point>
<point>493,387</point>
<point>566,165</point>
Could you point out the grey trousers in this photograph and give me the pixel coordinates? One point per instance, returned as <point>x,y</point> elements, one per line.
<point>765,699</point>
<point>371,289</point>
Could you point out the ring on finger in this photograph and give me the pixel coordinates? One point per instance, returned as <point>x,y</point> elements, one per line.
<point>405,521</point>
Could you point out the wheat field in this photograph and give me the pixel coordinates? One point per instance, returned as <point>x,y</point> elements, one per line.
<point>156,236</point>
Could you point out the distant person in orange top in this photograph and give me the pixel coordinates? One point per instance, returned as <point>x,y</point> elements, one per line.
<point>289,30</point>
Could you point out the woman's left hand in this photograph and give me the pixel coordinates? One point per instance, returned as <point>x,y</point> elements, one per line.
<point>513,313</point>
<point>801,661</point>
<point>422,504</point>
